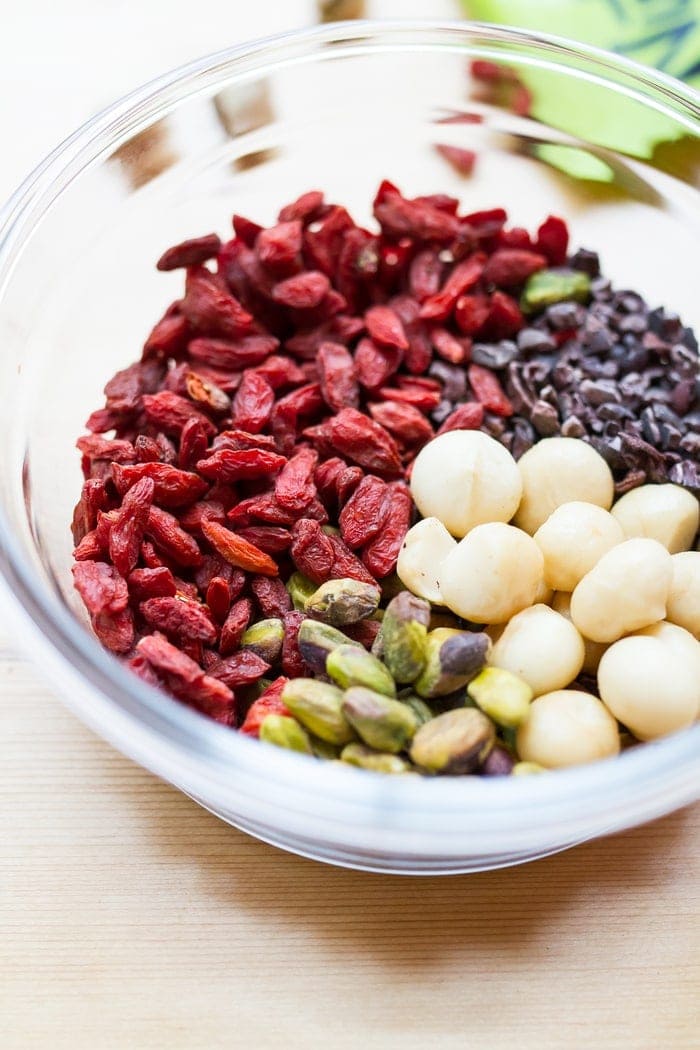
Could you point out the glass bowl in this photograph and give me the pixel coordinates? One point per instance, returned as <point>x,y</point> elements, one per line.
<point>610,145</point>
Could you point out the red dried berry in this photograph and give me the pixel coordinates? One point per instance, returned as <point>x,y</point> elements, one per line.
<point>126,534</point>
<point>553,240</point>
<point>385,328</point>
<point>464,276</point>
<point>218,598</point>
<point>268,703</point>
<point>488,390</point>
<point>234,626</point>
<point>362,516</point>
<point>190,253</point>
<point>460,160</point>
<point>272,596</point>
<point>151,583</point>
<point>210,308</point>
<point>180,617</point>
<point>380,555</point>
<point>293,663</point>
<point>238,551</point>
<point>294,485</point>
<point>303,291</point>
<point>279,248</point>
<point>359,438</point>
<point>229,467</point>
<point>311,550</point>
<point>508,267</point>
<point>468,416</point>
<point>404,421</point>
<point>252,405</point>
<point>101,587</point>
<point>241,669</point>
<point>337,377</point>
<point>171,487</point>
<point>173,541</point>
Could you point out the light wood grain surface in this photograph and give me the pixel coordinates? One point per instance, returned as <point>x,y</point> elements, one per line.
<point>131,918</point>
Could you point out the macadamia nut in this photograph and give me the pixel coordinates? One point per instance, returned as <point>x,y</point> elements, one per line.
<point>465,478</point>
<point>684,597</point>
<point>493,573</point>
<point>573,539</point>
<point>541,647</point>
<point>424,549</point>
<point>593,651</point>
<point>561,470</point>
<point>567,728</point>
<point>625,591</point>
<point>667,513</point>
<point>651,680</point>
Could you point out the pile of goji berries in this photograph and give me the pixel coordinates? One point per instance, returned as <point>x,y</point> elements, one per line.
<point>286,392</point>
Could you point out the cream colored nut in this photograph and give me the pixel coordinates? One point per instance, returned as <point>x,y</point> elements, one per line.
<point>593,651</point>
<point>561,470</point>
<point>492,574</point>
<point>573,539</point>
<point>424,549</point>
<point>541,647</point>
<point>651,680</point>
<point>567,728</point>
<point>627,590</point>
<point>667,513</point>
<point>684,597</point>
<point>465,478</point>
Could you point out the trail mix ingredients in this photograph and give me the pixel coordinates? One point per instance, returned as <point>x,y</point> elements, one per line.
<point>239,533</point>
<point>566,728</point>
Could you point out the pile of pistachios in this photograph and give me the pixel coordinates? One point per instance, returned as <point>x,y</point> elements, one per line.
<point>422,701</point>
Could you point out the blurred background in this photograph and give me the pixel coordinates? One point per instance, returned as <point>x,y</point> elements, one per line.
<point>61,60</point>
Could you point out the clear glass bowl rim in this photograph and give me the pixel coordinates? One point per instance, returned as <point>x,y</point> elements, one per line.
<point>671,764</point>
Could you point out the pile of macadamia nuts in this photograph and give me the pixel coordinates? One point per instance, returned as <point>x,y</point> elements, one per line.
<point>567,583</point>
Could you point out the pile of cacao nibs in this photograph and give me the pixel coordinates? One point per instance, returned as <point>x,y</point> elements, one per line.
<point>262,444</point>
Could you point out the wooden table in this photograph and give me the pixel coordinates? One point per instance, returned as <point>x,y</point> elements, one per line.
<point>130,919</point>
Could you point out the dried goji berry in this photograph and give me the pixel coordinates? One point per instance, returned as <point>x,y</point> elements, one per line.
<point>359,438</point>
<point>171,486</point>
<point>303,291</point>
<point>338,377</point>
<point>363,514</point>
<point>210,308</point>
<point>182,618</point>
<point>272,596</point>
<point>464,276</point>
<point>252,405</point>
<point>234,626</point>
<point>425,274</point>
<point>242,668</point>
<point>126,534</point>
<point>381,553</point>
<point>448,347</point>
<point>347,482</point>
<point>151,583</point>
<point>385,328</point>
<point>101,587</point>
<point>461,160</point>
<point>168,338</point>
<point>279,248</point>
<point>471,313</point>
<point>304,207</point>
<point>405,422</point>
<point>553,240</point>
<point>268,703</point>
<point>505,318</point>
<point>511,266</point>
<point>173,541</point>
<point>218,598</point>
<point>238,551</point>
<point>190,253</point>
<point>468,416</point>
<point>169,412</point>
<point>269,538</point>
<point>294,486</point>
<point>234,354</point>
<point>246,229</point>
<point>115,630</point>
<point>293,663</point>
<point>488,390</point>
<point>225,465</point>
<point>375,364</point>
<point>311,550</point>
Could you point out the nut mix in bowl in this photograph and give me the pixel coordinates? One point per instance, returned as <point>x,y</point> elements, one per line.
<point>244,537</point>
<point>429,690</point>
